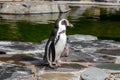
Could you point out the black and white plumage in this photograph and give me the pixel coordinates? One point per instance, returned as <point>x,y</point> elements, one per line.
<point>56,43</point>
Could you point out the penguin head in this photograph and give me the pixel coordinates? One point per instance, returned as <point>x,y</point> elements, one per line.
<point>63,22</point>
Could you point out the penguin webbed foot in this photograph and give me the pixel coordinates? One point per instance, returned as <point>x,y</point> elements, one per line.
<point>57,63</point>
<point>54,64</point>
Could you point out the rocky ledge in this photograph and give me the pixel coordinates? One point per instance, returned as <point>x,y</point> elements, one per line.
<point>89,59</point>
<point>32,7</point>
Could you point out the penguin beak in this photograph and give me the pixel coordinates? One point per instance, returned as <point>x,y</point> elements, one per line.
<point>69,24</point>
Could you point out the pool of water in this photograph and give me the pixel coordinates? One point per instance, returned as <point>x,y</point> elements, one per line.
<point>103,22</point>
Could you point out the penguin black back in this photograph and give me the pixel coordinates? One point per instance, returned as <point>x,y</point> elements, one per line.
<point>49,55</point>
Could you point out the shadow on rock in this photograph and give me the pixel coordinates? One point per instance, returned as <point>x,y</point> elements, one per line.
<point>22,59</point>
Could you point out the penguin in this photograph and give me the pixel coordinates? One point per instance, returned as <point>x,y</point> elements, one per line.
<point>56,43</point>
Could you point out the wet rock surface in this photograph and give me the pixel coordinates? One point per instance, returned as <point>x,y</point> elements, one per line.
<point>94,74</point>
<point>14,72</point>
<point>7,46</point>
<point>84,49</point>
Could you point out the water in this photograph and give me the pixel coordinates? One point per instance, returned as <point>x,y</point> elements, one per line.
<point>99,21</point>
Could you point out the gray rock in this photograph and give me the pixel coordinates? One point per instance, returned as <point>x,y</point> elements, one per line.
<point>32,8</point>
<point>77,38</point>
<point>88,51</point>
<point>67,71</point>
<point>13,72</point>
<point>10,47</point>
<point>94,74</point>
<point>14,8</point>
<point>81,50</point>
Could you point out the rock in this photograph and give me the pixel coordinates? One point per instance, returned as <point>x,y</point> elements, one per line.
<point>77,38</point>
<point>60,76</point>
<point>88,51</point>
<point>85,51</point>
<point>13,72</point>
<point>109,66</point>
<point>82,50</point>
<point>67,71</point>
<point>14,8</point>
<point>94,74</point>
<point>10,47</point>
<point>32,8</point>
<point>111,51</point>
<point>63,8</point>
<point>117,61</point>
<point>114,74</point>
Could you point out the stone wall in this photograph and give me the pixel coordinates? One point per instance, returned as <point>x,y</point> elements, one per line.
<point>118,1</point>
<point>10,0</point>
<point>32,8</point>
<point>6,0</point>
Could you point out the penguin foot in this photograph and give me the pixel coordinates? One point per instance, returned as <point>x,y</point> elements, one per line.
<point>52,65</point>
<point>57,63</point>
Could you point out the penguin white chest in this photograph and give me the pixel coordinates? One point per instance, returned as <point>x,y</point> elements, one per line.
<point>60,45</point>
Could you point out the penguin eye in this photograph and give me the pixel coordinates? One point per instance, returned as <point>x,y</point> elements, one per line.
<point>64,22</point>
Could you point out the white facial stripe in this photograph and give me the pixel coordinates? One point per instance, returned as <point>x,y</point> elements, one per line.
<point>67,22</point>
<point>60,22</point>
<point>61,27</point>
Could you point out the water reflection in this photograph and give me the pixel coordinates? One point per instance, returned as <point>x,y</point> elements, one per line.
<point>100,21</point>
<point>38,18</point>
<point>94,11</point>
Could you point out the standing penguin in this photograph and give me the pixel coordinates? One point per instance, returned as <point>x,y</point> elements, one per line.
<point>56,43</point>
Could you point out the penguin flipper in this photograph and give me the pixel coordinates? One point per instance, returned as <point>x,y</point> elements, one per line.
<point>49,56</point>
<point>47,51</point>
<point>52,48</point>
<point>50,53</point>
